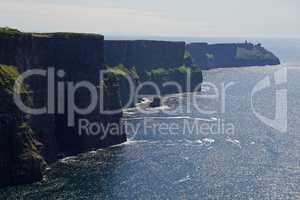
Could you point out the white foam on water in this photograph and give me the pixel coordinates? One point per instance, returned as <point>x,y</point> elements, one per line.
<point>199,142</point>
<point>130,142</point>
<point>208,141</point>
<point>192,142</point>
<point>164,107</point>
<point>185,158</point>
<point>129,112</point>
<point>92,152</point>
<point>185,179</point>
<point>68,159</point>
<point>143,102</point>
<point>205,89</point>
<point>173,117</point>
<point>235,142</point>
<point>48,168</point>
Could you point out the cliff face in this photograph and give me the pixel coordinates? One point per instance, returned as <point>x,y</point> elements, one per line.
<point>126,89</point>
<point>157,61</point>
<point>143,54</point>
<point>81,57</point>
<point>230,55</point>
<point>20,160</point>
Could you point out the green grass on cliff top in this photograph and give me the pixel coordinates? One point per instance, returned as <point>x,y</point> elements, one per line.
<point>161,71</point>
<point>8,30</point>
<point>121,69</point>
<point>12,31</point>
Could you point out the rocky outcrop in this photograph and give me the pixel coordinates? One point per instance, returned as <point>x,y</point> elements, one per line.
<point>156,102</point>
<point>230,55</point>
<point>20,160</point>
<point>81,57</point>
<point>128,80</point>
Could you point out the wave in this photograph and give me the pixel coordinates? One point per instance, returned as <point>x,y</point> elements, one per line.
<point>68,159</point>
<point>174,117</point>
<point>235,142</point>
<point>130,142</point>
<point>185,179</point>
<point>164,107</point>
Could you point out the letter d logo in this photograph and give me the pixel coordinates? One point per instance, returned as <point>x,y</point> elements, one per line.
<point>280,121</point>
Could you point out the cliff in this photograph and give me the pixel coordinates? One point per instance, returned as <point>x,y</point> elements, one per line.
<point>126,89</point>
<point>81,57</point>
<point>156,61</point>
<point>230,55</point>
<point>20,160</point>
<point>144,54</point>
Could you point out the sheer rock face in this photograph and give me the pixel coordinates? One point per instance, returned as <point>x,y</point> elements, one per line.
<point>20,160</point>
<point>144,54</point>
<point>230,55</point>
<point>81,57</point>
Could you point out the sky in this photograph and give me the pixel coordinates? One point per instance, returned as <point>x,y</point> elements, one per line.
<point>193,18</point>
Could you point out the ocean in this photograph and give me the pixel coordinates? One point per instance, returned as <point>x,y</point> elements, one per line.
<point>243,143</point>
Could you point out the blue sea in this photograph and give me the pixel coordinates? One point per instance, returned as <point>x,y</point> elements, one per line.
<point>244,149</point>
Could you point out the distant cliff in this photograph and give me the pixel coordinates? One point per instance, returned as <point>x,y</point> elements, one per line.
<point>157,61</point>
<point>230,55</point>
<point>81,57</point>
<point>144,54</point>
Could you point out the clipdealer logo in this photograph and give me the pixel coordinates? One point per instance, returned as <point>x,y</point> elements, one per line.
<point>279,122</point>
